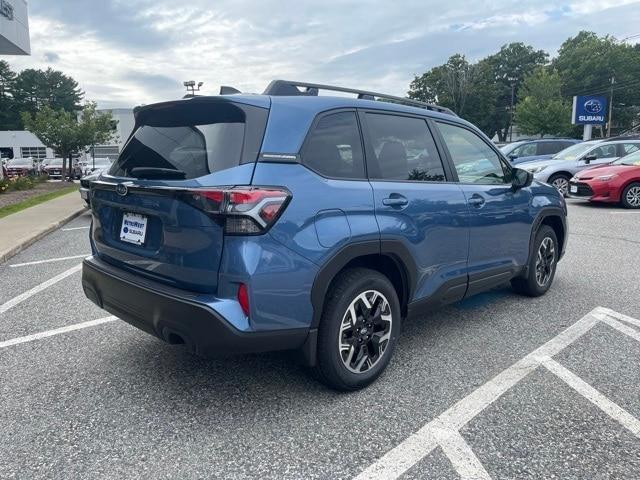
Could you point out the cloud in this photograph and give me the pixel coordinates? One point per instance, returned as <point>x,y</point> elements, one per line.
<point>50,57</point>
<point>128,52</point>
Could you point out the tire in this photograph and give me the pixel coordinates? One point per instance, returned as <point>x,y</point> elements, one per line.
<point>540,276</point>
<point>630,197</point>
<point>561,182</point>
<point>341,362</point>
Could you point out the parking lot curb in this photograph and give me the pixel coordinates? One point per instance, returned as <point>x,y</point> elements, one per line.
<point>6,255</point>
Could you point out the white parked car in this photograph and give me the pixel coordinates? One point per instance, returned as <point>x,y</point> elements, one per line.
<point>559,169</point>
<point>96,165</point>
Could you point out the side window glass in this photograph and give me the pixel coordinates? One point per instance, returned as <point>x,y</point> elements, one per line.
<point>473,159</point>
<point>548,148</point>
<point>630,148</point>
<point>404,149</point>
<point>606,151</point>
<point>334,148</point>
<point>526,150</point>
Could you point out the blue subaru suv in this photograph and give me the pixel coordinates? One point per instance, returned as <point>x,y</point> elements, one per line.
<point>293,220</point>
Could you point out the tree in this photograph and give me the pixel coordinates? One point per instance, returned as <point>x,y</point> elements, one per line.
<point>463,87</point>
<point>510,66</point>
<point>480,92</point>
<point>586,64</point>
<point>9,117</point>
<point>69,133</point>
<point>35,89</point>
<point>542,110</point>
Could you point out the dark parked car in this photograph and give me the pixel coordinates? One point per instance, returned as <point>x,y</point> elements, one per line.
<point>54,169</point>
<point>288,220</point>
<point>530,150</point>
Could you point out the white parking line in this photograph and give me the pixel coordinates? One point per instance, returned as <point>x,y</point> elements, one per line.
<point>401,458</point>
<point>75,228</point>
<point>56,331</point>
<point>619,414</point>
<point>38,288</point>
<point>38,262</point>
<point>460,455</point>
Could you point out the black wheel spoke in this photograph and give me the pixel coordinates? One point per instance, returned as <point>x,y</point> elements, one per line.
<point>365,331</point>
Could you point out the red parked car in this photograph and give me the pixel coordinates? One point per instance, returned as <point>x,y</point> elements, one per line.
<point>20,167</point>
<point>616,182</point>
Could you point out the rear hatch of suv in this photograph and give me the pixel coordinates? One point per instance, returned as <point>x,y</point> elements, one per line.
<point>154,212</point>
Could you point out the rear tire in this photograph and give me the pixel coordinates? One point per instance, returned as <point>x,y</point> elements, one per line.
<point>542,264</point>
<point>631,196</point>
<point>358,330</point>
<point>561,182</point>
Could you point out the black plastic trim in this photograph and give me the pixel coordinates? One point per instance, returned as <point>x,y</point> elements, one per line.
<point>167,312</point>
<point>394,249</point>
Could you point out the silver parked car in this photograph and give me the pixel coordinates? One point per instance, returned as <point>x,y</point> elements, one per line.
<point>559,169</point>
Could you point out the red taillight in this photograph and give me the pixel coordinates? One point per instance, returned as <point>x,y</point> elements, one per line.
<point>243,298</point>
<point>248,210</point>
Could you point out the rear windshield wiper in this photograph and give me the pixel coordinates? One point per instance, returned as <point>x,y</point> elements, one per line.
<point>156,172</point>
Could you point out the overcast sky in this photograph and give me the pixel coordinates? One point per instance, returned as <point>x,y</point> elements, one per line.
<point>128,52</point>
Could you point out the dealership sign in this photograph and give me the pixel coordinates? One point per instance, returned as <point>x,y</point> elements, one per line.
<point>6,9</point>
<point>589,110</point>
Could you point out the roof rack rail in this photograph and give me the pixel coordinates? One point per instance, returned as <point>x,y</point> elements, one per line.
<point>291,88</point>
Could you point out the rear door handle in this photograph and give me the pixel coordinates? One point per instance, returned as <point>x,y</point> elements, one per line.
<point>476,200</point>
<point>395,200</point>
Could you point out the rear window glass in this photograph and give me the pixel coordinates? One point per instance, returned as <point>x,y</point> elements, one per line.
<point>196,150</point>
<point>192,139</point>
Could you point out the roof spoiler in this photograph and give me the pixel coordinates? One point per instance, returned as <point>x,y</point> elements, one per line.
<point>291,88</point>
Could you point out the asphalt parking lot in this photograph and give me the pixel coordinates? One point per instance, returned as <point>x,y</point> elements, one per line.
<point>498,386</point>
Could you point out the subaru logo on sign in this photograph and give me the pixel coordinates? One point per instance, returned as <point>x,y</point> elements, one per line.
<point>589,110</point>
<point>593,106</point>
<point>121,189</point>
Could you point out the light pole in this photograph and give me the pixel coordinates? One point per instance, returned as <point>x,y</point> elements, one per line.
<point>513,91</point>
<point>191,87</point>
<point>613,82</point>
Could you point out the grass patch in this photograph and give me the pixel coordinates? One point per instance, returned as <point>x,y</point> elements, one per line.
<point>38,199</point>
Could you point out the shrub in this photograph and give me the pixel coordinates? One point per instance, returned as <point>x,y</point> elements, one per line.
<point>22,183</point>
<point>4,184</point>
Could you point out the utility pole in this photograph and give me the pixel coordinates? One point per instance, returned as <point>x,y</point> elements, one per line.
<point>613,81</point>
<point>513,88</point>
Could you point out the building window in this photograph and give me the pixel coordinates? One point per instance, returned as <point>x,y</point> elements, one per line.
<point>34,152</point>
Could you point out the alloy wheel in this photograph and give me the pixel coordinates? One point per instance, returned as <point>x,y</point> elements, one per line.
<point>545,261</point>
<point>633,196</point>
<point>365,331</point>
<point>561,184</point>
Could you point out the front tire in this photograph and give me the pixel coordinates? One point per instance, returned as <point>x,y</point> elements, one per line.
<point>631,196</point>
<point>358,330</point>
<point>542,264</point>
<point>561,182</point>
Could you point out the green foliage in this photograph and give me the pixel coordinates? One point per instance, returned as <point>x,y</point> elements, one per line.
<point>586,63</point>
<point>69,133</point>
<point>31,90</point>
<point>542,110</point>
<point>480,92</point>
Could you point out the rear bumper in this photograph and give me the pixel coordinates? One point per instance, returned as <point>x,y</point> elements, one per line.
<point>175,315</point>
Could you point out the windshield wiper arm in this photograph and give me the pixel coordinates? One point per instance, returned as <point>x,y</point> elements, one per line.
<point>156,172</point>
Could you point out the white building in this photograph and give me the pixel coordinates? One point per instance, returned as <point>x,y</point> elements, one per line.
<point>124,126</point>
<point>21,143</point>
<point>14,28</point>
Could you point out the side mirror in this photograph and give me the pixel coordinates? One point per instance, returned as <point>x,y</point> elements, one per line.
<point>512,157</point>
<point>587,159</point>
<point>521,178</point>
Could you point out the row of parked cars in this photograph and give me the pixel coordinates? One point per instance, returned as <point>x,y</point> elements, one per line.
<point>18,167</point>
<point>604,170</point>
